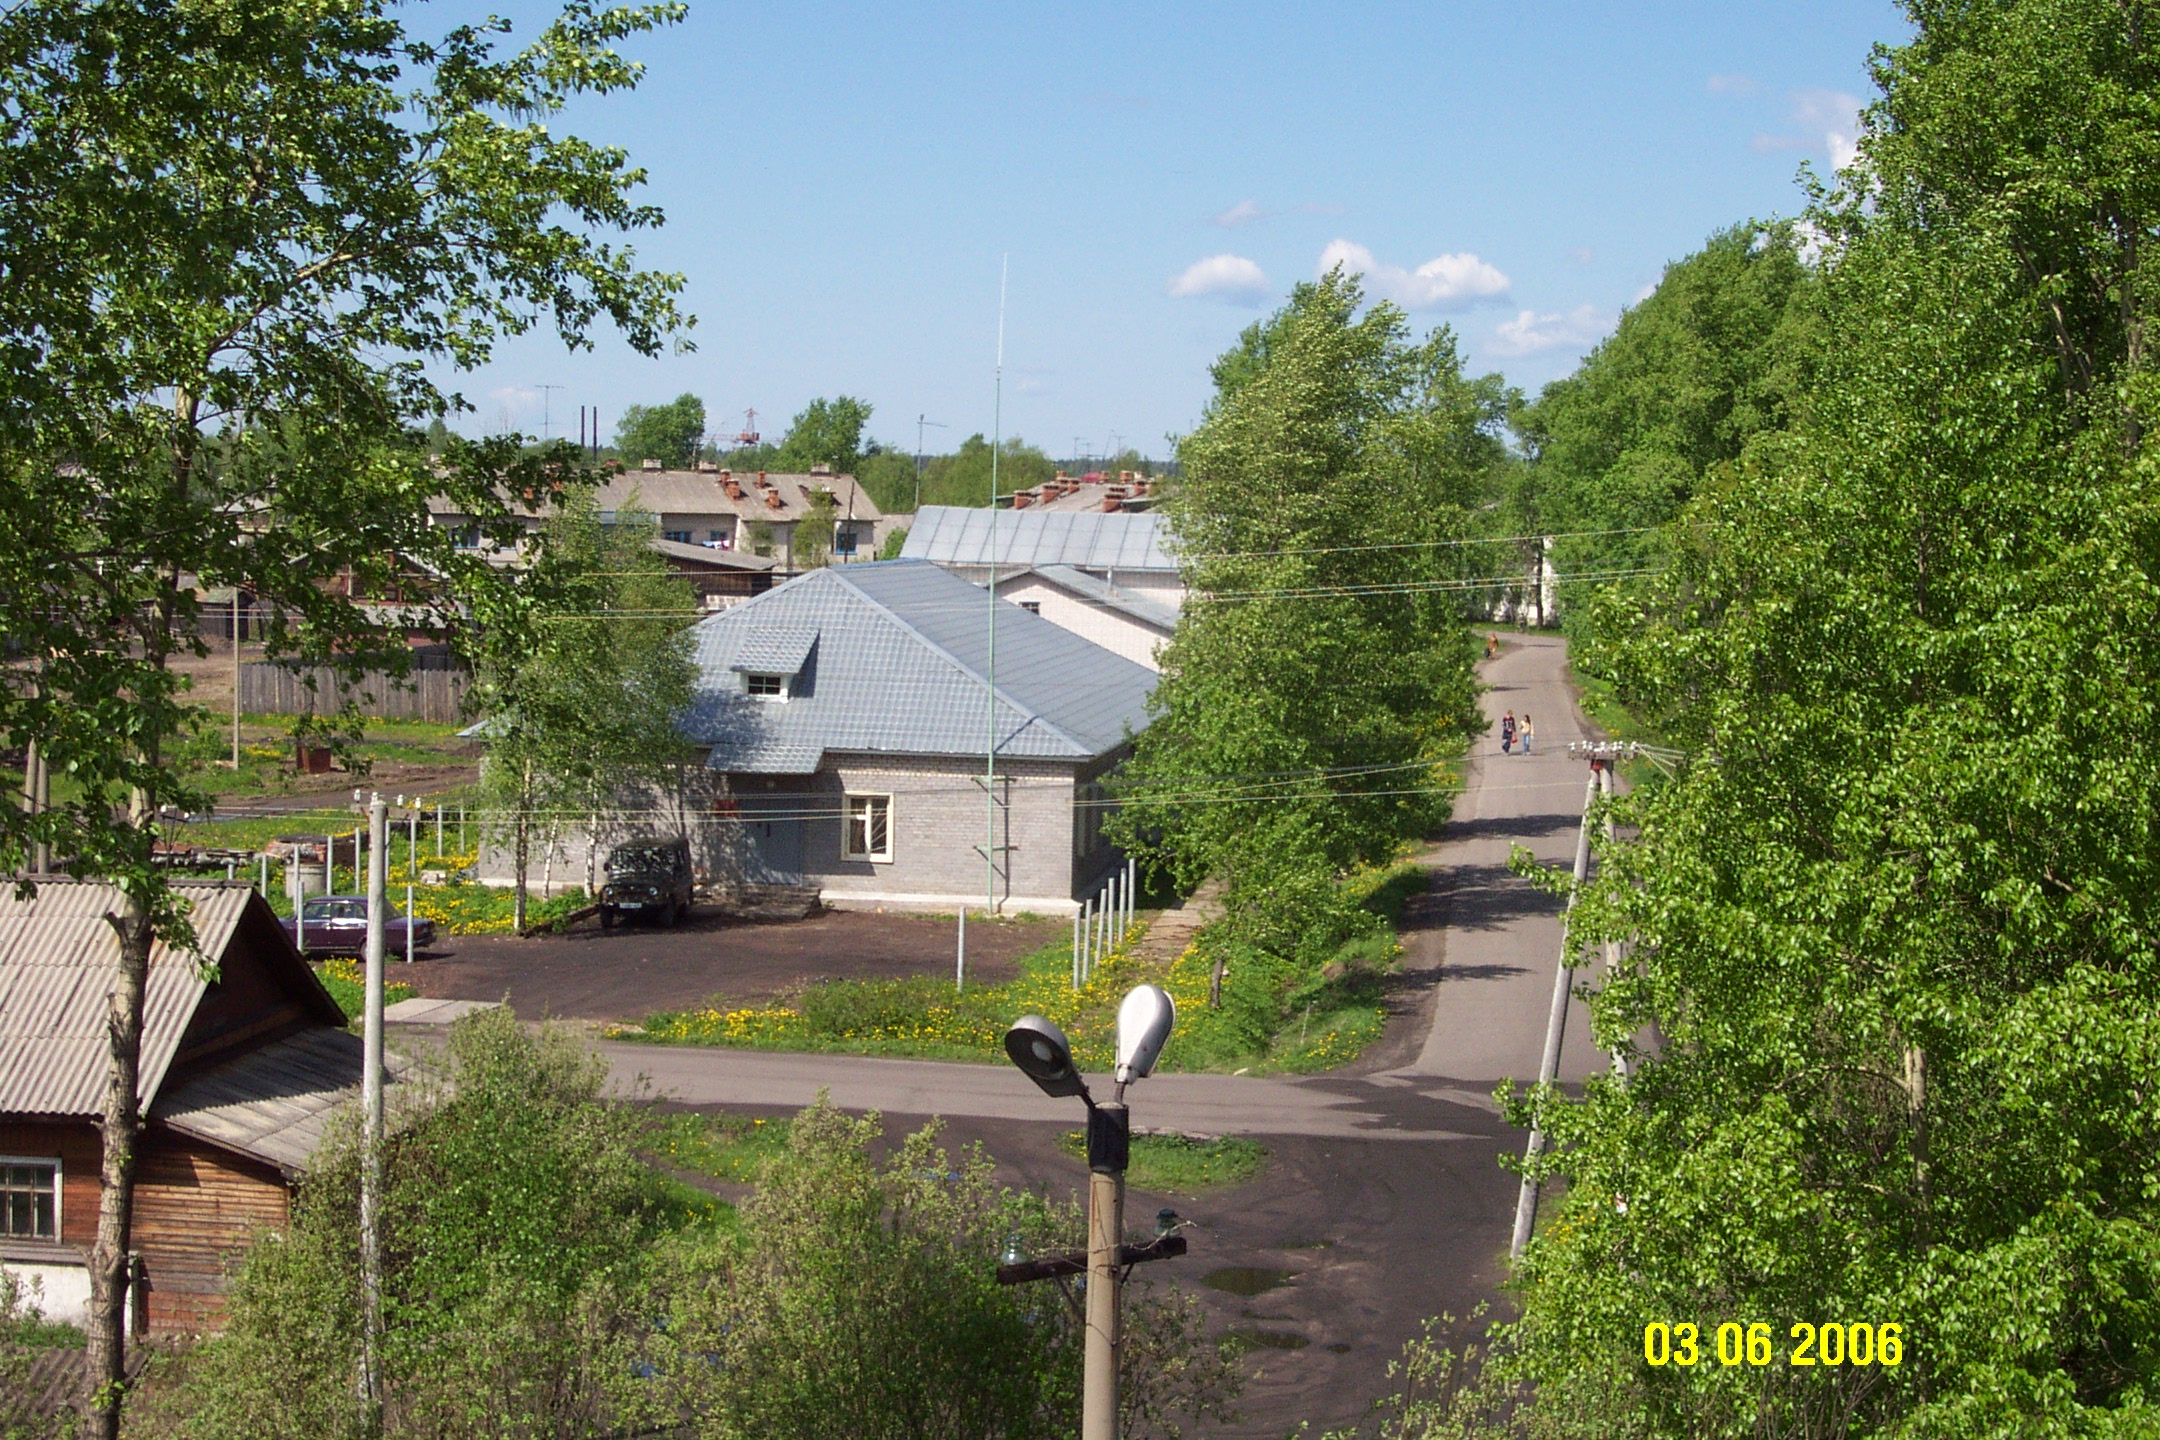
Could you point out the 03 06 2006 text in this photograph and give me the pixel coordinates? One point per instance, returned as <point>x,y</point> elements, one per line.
<point>1828,1342</point>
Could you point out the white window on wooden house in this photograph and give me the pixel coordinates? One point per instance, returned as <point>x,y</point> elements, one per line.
<point>765,687</point>
<point>29,1199</point>
<point>869,828</point>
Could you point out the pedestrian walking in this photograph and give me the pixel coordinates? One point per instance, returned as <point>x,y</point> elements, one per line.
<point>1507,733</point>
<point>1527,731</point>
<point>1492,646</point>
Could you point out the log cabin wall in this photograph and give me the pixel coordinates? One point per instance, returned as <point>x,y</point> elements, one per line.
<point>197,1209</point>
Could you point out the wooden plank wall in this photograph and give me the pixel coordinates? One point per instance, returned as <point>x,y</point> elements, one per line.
<point>431,695</point>
<point>197,1208</point>
<point>80,1151</point>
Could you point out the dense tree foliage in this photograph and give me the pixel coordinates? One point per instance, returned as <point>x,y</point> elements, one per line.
<point>669,433</point>
<point>544,1281</point>
<point>1708,360</point>
<point>1319,680</point>
<point>827,432</point>
<point>240,243</point>
<point>1896,925</point>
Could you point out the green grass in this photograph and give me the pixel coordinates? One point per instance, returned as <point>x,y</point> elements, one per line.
<point>34,1332</point>
<point>724,1147</point>
<point>1275,1017</point>
<point>1182,1164</point>
<point>347,985</point>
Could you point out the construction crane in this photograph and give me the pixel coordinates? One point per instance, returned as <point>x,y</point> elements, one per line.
<point>749,435</point>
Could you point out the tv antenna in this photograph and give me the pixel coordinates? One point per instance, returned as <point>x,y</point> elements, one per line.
<point>546,419</point>
<point>920,423</point>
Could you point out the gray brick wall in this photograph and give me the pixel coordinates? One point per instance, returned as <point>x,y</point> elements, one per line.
<point>937,823</point>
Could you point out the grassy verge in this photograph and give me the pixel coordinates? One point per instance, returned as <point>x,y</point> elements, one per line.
<point>1275,1017</point>
<point>732,1148</point>
<point>1182,1164</point>
<point>347,983</point>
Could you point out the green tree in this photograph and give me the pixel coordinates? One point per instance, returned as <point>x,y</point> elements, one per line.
<point>1896,922</point>
<point>255,234</point>
<point>963,478</point>
<point>827,432</point>
<point>1319,679</point>
<point>517,1220</point>
<point>586,719</point>
<point>860,1297</point>
<point>812,540</point>
<point>888,475</point>
<point>1710,359</point>
<point>669,433</point>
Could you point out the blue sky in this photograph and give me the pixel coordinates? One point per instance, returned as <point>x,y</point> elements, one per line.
<point>843,181</point>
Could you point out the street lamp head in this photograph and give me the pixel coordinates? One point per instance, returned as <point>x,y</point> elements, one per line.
<point>1144,1021</point>
<point>1044,1055</point>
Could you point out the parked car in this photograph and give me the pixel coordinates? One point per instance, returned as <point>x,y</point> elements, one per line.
<point>337,925</point>
<point>649,879</point>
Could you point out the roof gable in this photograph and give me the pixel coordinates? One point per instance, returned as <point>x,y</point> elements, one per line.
<point>59,957</point>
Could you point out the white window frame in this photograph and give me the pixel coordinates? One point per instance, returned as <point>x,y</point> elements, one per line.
<point>847,828</point>
<point>787,685</point>
<point>59,1169</point>
<point>1033,607</point>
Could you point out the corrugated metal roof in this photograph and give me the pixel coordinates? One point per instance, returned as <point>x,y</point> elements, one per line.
<point>1102,592</point>
<point>962,535</point>
<point>900,667</point>
<point>775,650</point>
<point>711,555</point>
<point>274,1103</point>
<point>58,960</point>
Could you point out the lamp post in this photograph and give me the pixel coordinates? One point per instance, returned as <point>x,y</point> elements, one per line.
<point>1040,1049</point>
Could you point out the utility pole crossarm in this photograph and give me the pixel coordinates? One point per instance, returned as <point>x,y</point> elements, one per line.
<point>1075,1262</point>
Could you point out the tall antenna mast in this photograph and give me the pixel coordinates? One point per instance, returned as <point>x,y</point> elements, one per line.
<point>997,443</point>
<point>546,419</point>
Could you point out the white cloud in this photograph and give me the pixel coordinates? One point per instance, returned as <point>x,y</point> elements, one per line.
<point>1828,123</point>
<point>1231,276</point>
<point>1533,331</point>
<point>1242,213</point>
<point>1732,85</point>
<point>1445,282</point>
<point>1582,255</point>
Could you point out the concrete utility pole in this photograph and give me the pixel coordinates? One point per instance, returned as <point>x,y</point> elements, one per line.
<point>1555,1024</point>
<point>1612,947</point>
<point>371,1135</point>
<point>1106,1236</point>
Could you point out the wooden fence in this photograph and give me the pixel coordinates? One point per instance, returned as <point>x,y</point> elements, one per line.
<point>431,695</point>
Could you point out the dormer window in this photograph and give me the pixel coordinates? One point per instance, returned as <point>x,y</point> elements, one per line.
<point>765,687</point>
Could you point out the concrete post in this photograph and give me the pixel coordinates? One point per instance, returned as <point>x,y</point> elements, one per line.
<point>1106,1231</point>
<point>1555,1027</point>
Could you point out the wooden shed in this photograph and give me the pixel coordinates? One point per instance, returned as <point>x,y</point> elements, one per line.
<point>245,1058</point>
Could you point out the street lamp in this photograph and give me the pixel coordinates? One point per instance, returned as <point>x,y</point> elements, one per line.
<point>1041,1051</point>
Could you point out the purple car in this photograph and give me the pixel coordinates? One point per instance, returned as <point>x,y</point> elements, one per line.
<point>337,924</point>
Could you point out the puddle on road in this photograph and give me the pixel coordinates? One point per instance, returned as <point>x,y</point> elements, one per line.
<point>1246,1280</point>
<point>1339,1348</point>
<point>1247,1340</point>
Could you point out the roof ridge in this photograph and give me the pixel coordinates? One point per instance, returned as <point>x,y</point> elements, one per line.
<point>1033,717</point>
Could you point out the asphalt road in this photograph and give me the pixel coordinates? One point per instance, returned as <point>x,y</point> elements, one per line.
<point>1384,1199</point>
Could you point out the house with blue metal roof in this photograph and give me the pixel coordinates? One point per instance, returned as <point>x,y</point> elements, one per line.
<point>873,730</point>
<point>1131,551</point>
